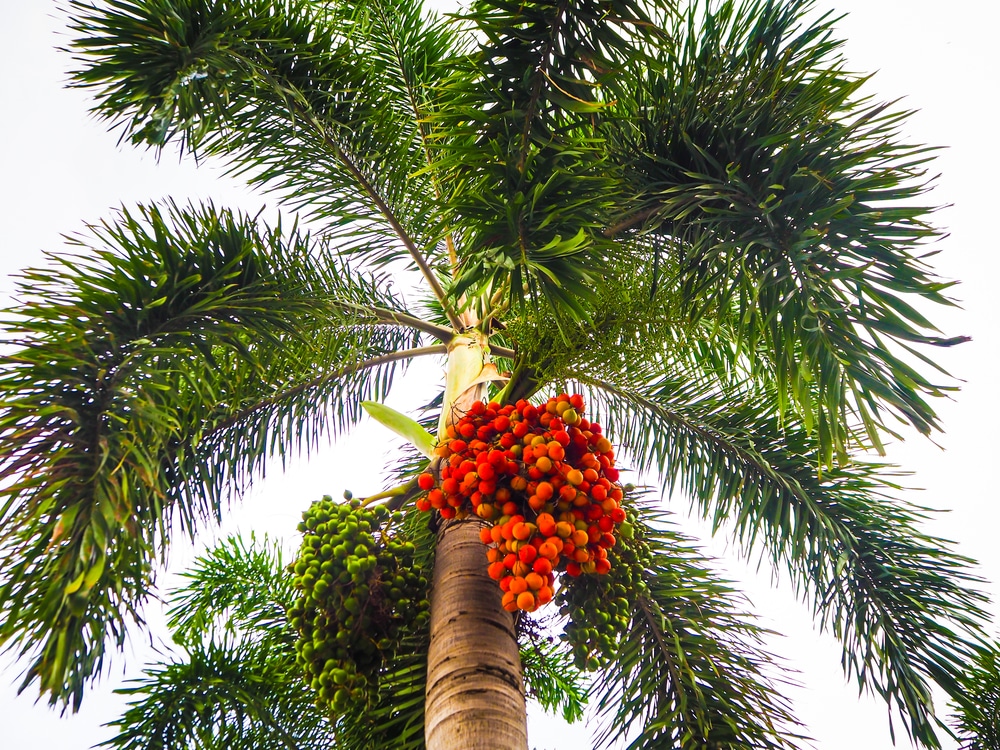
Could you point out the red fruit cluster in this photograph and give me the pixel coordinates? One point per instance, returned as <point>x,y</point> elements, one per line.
<point>544,477</point>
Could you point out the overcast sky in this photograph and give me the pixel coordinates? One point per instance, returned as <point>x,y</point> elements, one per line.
<point>60,169</point>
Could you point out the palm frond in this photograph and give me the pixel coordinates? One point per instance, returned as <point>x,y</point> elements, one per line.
<point>976,711</point>
<point>237,587</point>
<point>529,176</point>
<point>550,676</point>
<point>236,684</point>
<point>151,378</point>
<point>900,601</point>
<point>239,695</point>
<point>690,670</point>
<point>789,206</point>
<point>294,95</point>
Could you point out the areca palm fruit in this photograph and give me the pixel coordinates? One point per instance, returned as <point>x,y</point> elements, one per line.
<point>357,583</point>
<point>539,476</point>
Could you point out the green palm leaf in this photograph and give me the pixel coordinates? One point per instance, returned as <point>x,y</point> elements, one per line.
<point>531,181</point>
<point>976,710</point>
<point>690,670</point>
<point>290,95</point>
<point>788,205</point>
<point>236,684</point>
<point>899,600</point>
<point>238,695</point>
<point>151,379</point>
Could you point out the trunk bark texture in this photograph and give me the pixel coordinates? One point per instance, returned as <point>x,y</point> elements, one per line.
<point>475,697</point>
<point>475,694</point>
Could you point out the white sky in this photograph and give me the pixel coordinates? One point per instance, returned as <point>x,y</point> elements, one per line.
<point>60,168</point>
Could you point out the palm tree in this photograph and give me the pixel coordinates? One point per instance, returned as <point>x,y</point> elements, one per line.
<point>690,216</point>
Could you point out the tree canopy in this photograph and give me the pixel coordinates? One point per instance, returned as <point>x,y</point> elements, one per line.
<point>693,217</point>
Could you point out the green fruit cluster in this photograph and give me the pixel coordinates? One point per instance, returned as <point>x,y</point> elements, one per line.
<point>360,591</point>
<point>598,608</point>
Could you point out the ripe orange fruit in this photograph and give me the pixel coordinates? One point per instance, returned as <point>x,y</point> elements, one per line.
<point>548,551</point>
<point>546,524</point>
<point>526,601</point>
<point>518,585</point>
<point>522,531</point>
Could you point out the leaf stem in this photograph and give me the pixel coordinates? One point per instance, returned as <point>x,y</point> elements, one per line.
<point>420,351</point>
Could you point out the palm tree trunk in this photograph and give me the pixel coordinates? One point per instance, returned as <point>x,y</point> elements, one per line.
<point>475,695</point>
<point>475,699</point>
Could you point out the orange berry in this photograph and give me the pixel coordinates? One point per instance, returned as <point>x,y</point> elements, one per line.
<point>563,530</point>
<point>542,566</point>
<point>534,581</point>
<point>574,477</point>
<point>485,536</point>
<point>544,464</point>
<point>496,570</point>
<point>546,524</point>
<point>547,551</point>
<point>526,601</point>
<point>518,585</point>
<point>527,554</point>
<point>509,602</point>
<point>520,568</point>
<point>556,451</point>
<point>425,481</point>
<point>544,595</point>
<point>523,531</point>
